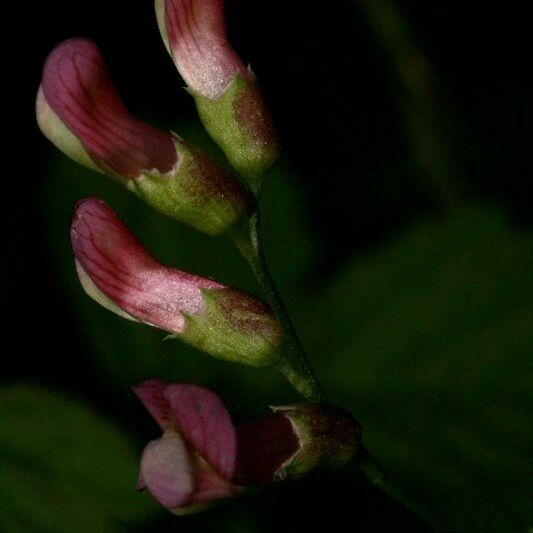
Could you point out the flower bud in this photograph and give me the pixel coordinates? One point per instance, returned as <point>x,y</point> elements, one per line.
<point>116,271</point>
<point>228,98</point>
<point>192,464</point>
<point>79,110</point>
<point>202,457</point>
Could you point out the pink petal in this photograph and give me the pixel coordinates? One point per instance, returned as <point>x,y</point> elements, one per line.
<point>205,423</point>
<point>152,395</point>
<point>127,274</point>
<point>198,414</point>
<point>77,86</point>
<point>167,471</point>
<point>196,32</point>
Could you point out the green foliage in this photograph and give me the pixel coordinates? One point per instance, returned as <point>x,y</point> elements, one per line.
<point>63,467</point>
<point>428,342</point>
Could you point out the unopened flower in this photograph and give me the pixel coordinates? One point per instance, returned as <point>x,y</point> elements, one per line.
<point>227,95</point>
<point>203,458</point>
<point>193,463</point>
<point>194,32</point>
<point>116,271</point>
<point>79,110</point>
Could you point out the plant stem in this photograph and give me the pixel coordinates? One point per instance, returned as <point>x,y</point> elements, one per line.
<point>379,478</point>
<point>295,366</point>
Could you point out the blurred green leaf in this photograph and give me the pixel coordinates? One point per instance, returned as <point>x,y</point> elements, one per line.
<point>428,342</point>
<point>64,468</point>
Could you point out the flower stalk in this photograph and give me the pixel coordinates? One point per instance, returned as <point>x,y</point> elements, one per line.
<point>298,371</point>
<point>295,366</point>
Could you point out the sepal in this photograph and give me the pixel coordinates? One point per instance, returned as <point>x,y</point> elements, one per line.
<point>197,191</point>
<point>328,436</point>
<point>239,122</point>
<point>235,326</point>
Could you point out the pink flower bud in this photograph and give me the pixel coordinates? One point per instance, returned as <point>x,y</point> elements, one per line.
<point>79,110</point>
<point>193,462</point>
<point>202,457</point>
<point>228,98</point>
<point>194,32</point>
<point>121,275</point>
<point>77,88</point>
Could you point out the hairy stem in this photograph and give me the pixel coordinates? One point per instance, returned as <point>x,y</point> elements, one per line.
<point>295,367</point>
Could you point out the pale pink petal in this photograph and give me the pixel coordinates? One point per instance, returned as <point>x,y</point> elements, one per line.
<point>77,87</point>
<point>167,471</point>
<point>127,274</point>
<point>205,423</point>
<point>196,32</point>
<point>210,485</point>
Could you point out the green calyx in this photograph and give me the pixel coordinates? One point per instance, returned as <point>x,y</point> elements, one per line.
<point>235,326</point>
<point>240,123</point>
<point>196,192</point>
<point>329,438</point>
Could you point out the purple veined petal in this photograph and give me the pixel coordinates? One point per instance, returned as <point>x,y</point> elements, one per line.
<point>96,294</point>
<point>198,414</point>
<point>122,270</point>
<point>205,423</point>
<point>152,396</point>
<point>194,31</point>
<point>77,89</point>
<point>167,470</point>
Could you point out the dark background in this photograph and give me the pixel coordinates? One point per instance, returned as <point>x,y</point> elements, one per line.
<point>406,128</point>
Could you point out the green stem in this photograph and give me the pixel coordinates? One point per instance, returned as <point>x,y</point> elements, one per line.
<point>295,367</point>
<point>379,478</point>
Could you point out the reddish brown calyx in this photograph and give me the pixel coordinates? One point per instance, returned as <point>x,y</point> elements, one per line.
<point>264,445</point>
